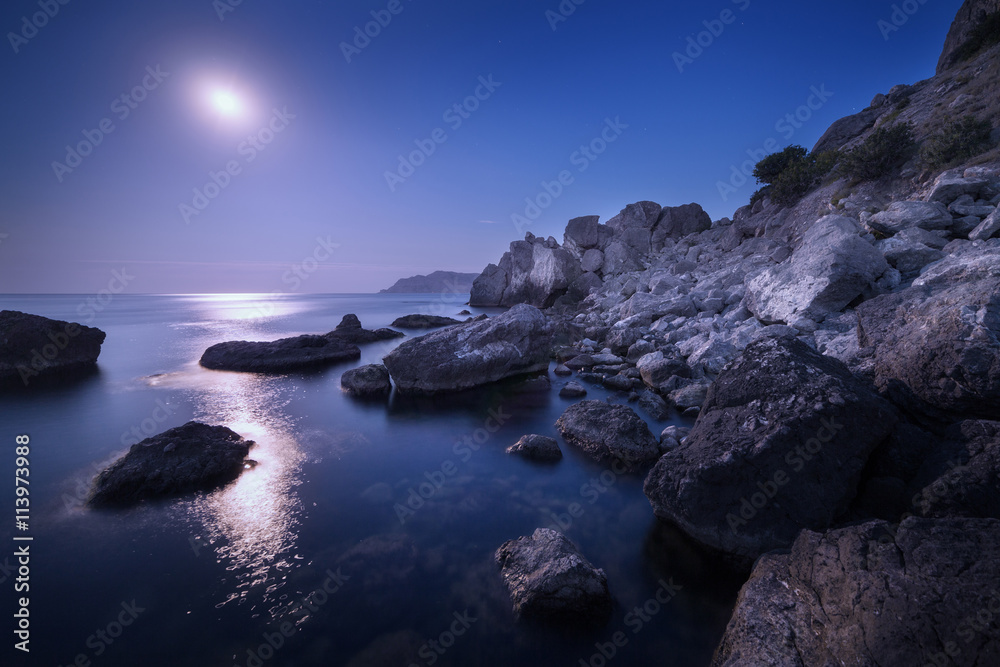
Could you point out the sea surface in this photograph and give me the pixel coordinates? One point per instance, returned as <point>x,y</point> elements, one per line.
<point>382,516</point>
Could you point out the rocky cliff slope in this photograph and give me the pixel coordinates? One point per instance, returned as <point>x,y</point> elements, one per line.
<point>841,353</point>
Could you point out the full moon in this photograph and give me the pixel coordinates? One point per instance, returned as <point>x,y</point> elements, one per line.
<point>226,103</point>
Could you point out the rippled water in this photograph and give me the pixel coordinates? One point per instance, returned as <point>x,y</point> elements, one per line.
<point>313,557</point>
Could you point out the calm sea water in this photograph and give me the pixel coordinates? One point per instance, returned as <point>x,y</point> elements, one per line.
<point>219,579</point>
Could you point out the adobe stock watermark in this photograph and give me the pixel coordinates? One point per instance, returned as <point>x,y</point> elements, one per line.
<point>581,158</point>
<point>435,479</point>
<point>363,36</point>
<point>454,116</point>
<point>786,126</point>
<point>59,341</point>
<point>565,9</point>
<point>37,21</point>
<point>122,107</point>
<point>701,42</point>
<point>102,638</point>
<point>796,459</point>
<point>248,149</point>
<point>635,620</point>
<point>899,17</point>
<point>223,7</point>
<point>432,650</point>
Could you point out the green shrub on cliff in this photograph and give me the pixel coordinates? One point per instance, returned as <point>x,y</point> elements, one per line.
<point>880,154</point>
<point>958,140</point>
<point>792,173</point>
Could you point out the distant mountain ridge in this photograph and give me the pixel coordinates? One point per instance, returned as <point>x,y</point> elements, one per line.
<point>438,282</point>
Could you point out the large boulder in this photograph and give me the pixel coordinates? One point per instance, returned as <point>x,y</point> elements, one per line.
<point>488,288</point>
<point>779,446</point>
<point>676,222</point>
<point>32,346</point>
<point>831,268</point>
<point>370,380</point>
<point>534,271</point>
<point>871,594</point>
<point>606,431</point>
<point>935,346</point>
<point>474,353</point>
<point>551,582</point>
<point>192,457</point>
<point>280,356</point>
<point>584,233</point>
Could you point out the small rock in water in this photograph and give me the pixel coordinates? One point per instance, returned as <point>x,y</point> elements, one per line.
<point>551,582</point>
<point>537,448</point>
<point>572,390</point>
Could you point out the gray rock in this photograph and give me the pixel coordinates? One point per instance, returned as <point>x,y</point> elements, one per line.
<point>779,446</point>
<point>551,582</point>
<point>654,405</point>
<point>582,234</point>
<point>586,284</point>
<point>350,331</point>
<point>907,256</point>
<point>621,258</point>
<point>593,260</point>
<point>690,396</point>
<point>936,344</point>
<point>32,346</point>
<point>962,227</point>
<point>573,390</point>
<point>832,267</point>
<point>562,370</point>
<point>189,458</point>
<point>977,211</point>
<point>534,271</point>
<point>371,380</point>
<point>488,289</point>
<point>580,362</point>
<point>280,356</point>
<point>676,222</point>
<point>905,214</point>
<point>655,369</point>
<point>471,354</point>
<point>536,448</point>
<point>989,228</point>
<point>948,187</point>
<point>872,594</point>
<point>607,431</point>
<point>918,235</point>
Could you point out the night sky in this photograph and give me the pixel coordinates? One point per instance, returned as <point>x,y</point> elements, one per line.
<point>254,146</point>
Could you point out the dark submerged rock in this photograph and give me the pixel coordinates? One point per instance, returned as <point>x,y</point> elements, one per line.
<point>550,581</point>
<point>537,448</point>
<point>371,380</point>
<point>32,346</point>
<point>607,431</point>
<point>280,356</point>
<point>423,321</point>
<point>192,457</point>
<point>350,331</point>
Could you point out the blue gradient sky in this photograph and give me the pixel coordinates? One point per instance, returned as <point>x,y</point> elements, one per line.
<point>321,179</point>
